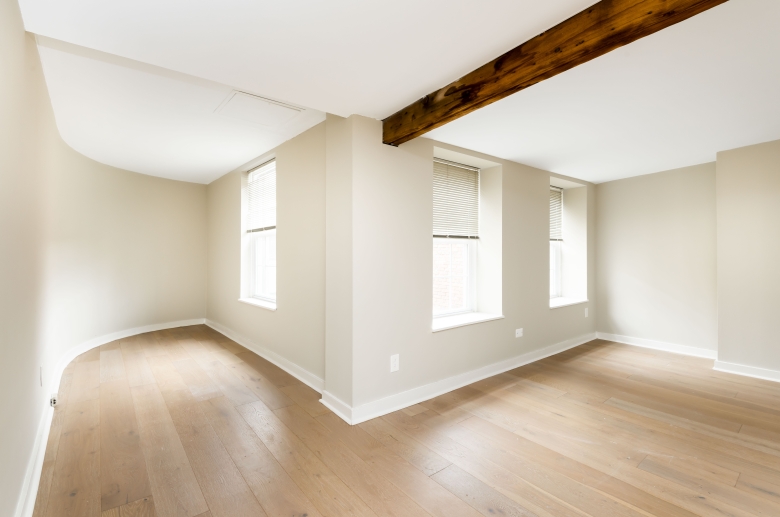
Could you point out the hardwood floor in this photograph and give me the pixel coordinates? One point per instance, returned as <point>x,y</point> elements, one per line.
<point>187,423</point>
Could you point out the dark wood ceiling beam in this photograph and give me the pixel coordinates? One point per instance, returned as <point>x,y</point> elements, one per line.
<point>603,27</point>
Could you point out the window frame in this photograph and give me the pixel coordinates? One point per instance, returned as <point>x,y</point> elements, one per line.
<point>249,239</point>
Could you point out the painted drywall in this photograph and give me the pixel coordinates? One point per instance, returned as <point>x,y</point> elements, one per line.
<point>85,250</point>
<point>122,250</point>
<point>296,330</point>
<point>748,199</point>
<point>490,249</point>
<point>338,258</point>
<point>22,93</point>
<point>656,257</point>
<point>392,192</point>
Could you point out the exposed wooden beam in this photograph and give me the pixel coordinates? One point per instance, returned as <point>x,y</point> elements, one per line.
<point>601,28</point>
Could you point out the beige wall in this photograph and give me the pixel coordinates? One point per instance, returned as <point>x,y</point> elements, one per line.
<point>296,330</point>
<point>85,250</point>
<point>392,273</point>
<point>748,196</point>
<point>122,250</point>
<point>374,204</point>
<point>21,244</point>
<point>656,257</point>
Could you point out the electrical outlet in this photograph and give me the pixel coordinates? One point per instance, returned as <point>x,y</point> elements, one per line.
<point>586,312</point>
<point>394,363</point>
<point>518,332</point>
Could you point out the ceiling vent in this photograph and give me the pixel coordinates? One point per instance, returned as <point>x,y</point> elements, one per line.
<point>257,110</point>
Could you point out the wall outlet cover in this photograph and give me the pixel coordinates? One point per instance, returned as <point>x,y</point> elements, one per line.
<point>394,363</point>
<point>519,333</point>
<point>586,312</point>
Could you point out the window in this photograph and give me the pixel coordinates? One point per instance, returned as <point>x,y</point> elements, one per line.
<point>259,246</point>
<point>455,234</point>
<point>568,243</point>
<point>556,240</point>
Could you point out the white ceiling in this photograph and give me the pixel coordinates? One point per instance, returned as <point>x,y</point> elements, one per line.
<point>147,98</point>
<point>339,56</point>
<point>673,99</point>
<point>154,121</point>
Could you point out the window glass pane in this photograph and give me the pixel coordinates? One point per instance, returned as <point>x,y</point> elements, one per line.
<point>269,280</point>
<point>450,276</point>
<point>257,256</point>
<point>555,269</point>
<point>263,257</point>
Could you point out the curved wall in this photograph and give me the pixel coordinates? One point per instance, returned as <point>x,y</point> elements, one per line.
<point>86,251</point>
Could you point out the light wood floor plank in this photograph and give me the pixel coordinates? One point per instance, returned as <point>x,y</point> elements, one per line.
<point>271,396</point>
<point>52,446</point>
<point>380,495</point>
<point>209,429</point>
<point>174,487</point>
<point>75,489</point>
<point>424,459</point>
<point>479,495</point>
<point>140,508</point>
<point>200,384</point>
<point>225,490</point>
<point>165,373</point>
<point>112,367</point>
<point>86,381</point>
<point>518,489</point>
<point>276,375</point>
<point>431,496</point>
<point>273,487</point>
<point>326,490</point>
<point>719,460</point>
<point>123,476</point>
<point>225,357</point>
<point>306,398</point>
<point>136,367</point>
<point>230,384</point>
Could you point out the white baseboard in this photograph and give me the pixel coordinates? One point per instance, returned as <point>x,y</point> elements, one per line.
<point>747,371</point>
<point>338,406</point>
<point>377,408</point>
<point>303,375</point>
<point>659,345</point>
<point>26,503</point>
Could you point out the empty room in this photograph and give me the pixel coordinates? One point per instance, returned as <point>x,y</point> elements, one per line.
<point>389,259</point>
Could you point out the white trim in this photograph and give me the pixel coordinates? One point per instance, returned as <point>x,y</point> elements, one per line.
<point>747,371</point>
<point>32,479</point>
<point>303,375</point>
<point>377,408</point>
<point>26,503</point>
<point>660,345</point>
<point>461,320</point>
<point>257,302</point>
<point>557,303</point>
<point>338,406</point>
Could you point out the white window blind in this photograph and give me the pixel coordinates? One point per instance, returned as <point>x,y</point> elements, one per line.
<point>261,198</point>
<point>455,200</point>
<point>556,208</point>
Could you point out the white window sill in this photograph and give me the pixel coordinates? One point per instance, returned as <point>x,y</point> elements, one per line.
<point>270,306</point>
<point>556,303</point>
<point>461,320</point>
